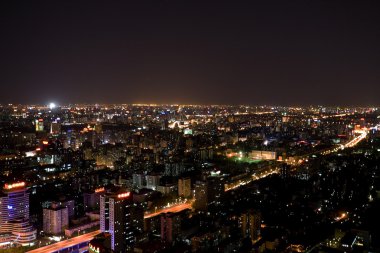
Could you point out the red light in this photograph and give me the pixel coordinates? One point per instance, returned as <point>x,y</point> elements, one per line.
<point>38,149</point>
<point>40,120</point>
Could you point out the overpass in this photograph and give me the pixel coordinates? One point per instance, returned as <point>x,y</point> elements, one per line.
<point>76,244</point>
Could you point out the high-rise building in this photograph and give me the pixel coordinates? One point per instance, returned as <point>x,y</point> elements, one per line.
<point>184,187</point>
<point>138,180</point>
<point>153,181</point>
<point>137,217</point>
<point>116,219</point>
<point>170,226</point>
<point>208,192</point>
<point>14,214</point>
<point>200,195</point>
<point>55,128</point>
<point>215,189</point>
<point>91,200</point>
<point>55,219</point>
<point>251,224</point>
<point>70,204</point>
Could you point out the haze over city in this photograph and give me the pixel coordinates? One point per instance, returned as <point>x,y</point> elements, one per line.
<point>191,52</point>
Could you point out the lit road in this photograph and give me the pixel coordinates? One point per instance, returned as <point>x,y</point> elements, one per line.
<point>66,243</point>
<point>362,135</point>
<point>267,172</point>
<point>173,209</point>
<point>338,115</point>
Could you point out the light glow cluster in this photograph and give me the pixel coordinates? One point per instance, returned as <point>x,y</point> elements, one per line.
<point>123,195</point>
<point>100,190</point>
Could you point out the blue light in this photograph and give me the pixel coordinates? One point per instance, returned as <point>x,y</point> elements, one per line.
<point>10,207</point>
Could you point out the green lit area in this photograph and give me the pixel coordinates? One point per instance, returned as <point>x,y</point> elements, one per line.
<point>244,160</point>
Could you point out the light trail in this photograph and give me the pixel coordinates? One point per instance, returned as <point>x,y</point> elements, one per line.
<point>173,209</point>
<point>362,135</point>
<point>254,177</point>
<point>66,243</point>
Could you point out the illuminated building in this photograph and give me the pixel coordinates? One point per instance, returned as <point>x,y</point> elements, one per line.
<point>91,199</point>
<point>39,124</point>
<point>188,131</point>
<point>70,204</point>
<point>184,187</point>
<point>152,181</point>
<point>14,214</point>
<point>115,219</point>
<point>170,226</point>
<point>262,155</point>
<point>137,218</point>
<point>55,128</point>
<point>55,219</point>
<point>138,180</point>
<point>250,224</point>
<point>215,189</point>
<point>200,196</point>
<point>208,192</point>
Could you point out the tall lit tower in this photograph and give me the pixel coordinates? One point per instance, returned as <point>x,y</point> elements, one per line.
<point>115,219</point>
<point>14,214</point>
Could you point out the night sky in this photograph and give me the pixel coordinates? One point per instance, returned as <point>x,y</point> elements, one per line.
<point>207,52</point>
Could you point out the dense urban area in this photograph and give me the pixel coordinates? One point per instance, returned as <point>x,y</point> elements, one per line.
<point>189,178</point>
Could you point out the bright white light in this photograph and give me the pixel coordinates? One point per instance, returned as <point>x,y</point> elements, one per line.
<point>52,106</point>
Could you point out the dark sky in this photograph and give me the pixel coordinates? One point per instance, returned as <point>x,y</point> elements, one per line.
<point>211,52</point>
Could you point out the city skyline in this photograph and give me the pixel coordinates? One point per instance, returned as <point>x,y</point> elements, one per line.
<point>128,178</point>
<point>162,126</point>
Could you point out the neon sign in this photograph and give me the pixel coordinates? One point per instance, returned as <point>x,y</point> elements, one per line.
<point>14,185</point>
<point>100,190</point>
<point>123,195</point>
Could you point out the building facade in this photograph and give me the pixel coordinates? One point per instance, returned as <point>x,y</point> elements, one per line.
<point>14,214</point>
<point>115,219</point>
<point>55,219</point>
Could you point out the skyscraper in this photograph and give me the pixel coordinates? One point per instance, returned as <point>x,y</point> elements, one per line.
<point>208,192</point>
<point>201,200</point>
<point>115,219</point>
<point>14,214</point>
